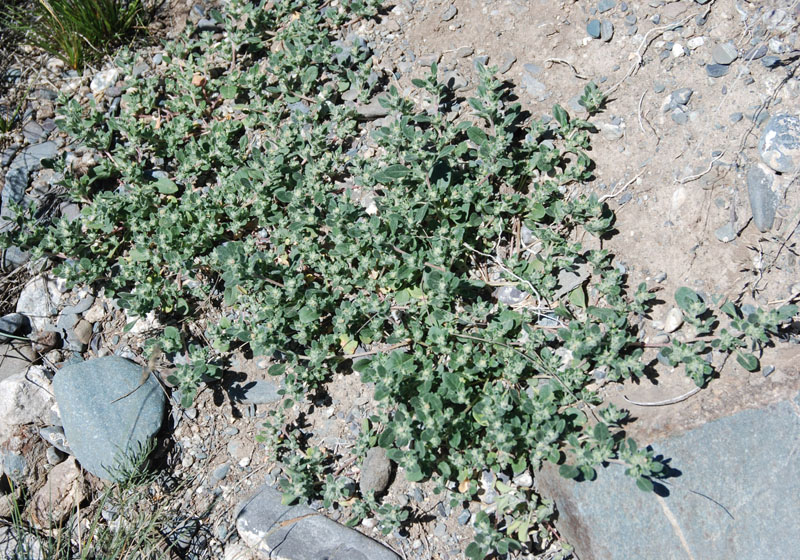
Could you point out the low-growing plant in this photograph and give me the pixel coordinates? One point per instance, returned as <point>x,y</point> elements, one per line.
<point>447,268</point>
<point>77,31</point>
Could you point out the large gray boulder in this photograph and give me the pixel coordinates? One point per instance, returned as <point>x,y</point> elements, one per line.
<point>104,434</point>
<point>300,533</point>
<point>735,495</point>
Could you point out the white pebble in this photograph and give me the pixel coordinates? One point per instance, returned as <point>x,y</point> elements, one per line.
<point>673,320</point>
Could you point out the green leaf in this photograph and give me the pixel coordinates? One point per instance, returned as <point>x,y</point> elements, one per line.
<point>386,439</point>
<point>577,297</point>
<point>476,135</point>
<point>537,212</point>
<point>228,91</point>
<point>165,186</point>
<point>172,333</point>
<point>361,365</point>
<point>561,115</point>
<point>601,432</point>
<point>414,474</point>
<point>387,174</point>
<point>686,298</point>
<point>645,484</point>
<point>276,369</point>
<point>569,471</point>
<point>747,361</point>
<point>308,315</point>
<point>138,255</point>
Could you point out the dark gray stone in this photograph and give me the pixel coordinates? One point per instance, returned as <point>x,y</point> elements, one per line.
<point>8,154</point>
<point>31,157</point>
<point>219,473</point>
<point>779,145</point>
<point>771,61</point>
<point>717,70</point>
<point>606,30</point>
<point>82,306</point>
<point>13,323</point>
<point>736,496</point>
<point>763,200</point>
<point>725,53</point>
<point>100,432</point>
<point>254,392</point>
<point>593,28</point>
<point>376,472</point>
<point>300,533</point>
<point>33,132</point>
<point>755,53</point>
<point>606,5</point>
<point>15,466</point>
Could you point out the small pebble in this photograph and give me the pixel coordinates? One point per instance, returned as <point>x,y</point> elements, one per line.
<point>593,29</point>
<point>717,70</point>
<point>606,30</point>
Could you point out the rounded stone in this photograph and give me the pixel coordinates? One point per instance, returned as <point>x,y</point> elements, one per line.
<point>105,433</point>
<point>376,472</point>
<point>725,53</point>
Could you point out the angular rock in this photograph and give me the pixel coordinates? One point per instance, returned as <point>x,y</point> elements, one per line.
<point>779,144</point>
<point>506,61</point>
<point>12,542</point>
<point>606,5</point>
<point>673,320</point>
<point>763,200</point>
<point>593,28</point>
<point>376,472</point>
<point>15,357</point>
<point>373,110</point>
<point>63,491</point>
<point>38,301</point>
<point>254,392</point>
<point>33,132</point>
<point>606,30</point>
<point>535,88</point>
<point>24,399</point>
<point>735,495</point>
<point>104,80</point>
<point>300,533</point>
<point>105,434</point>
<point>454,80</point>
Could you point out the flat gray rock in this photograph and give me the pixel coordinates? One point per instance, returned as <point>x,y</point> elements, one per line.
<point>101,432</point>
<point>779,144</point>
<point>763,200</point>
<point>254,392</point>
<point>300,533</point>
<point>735,497</point>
